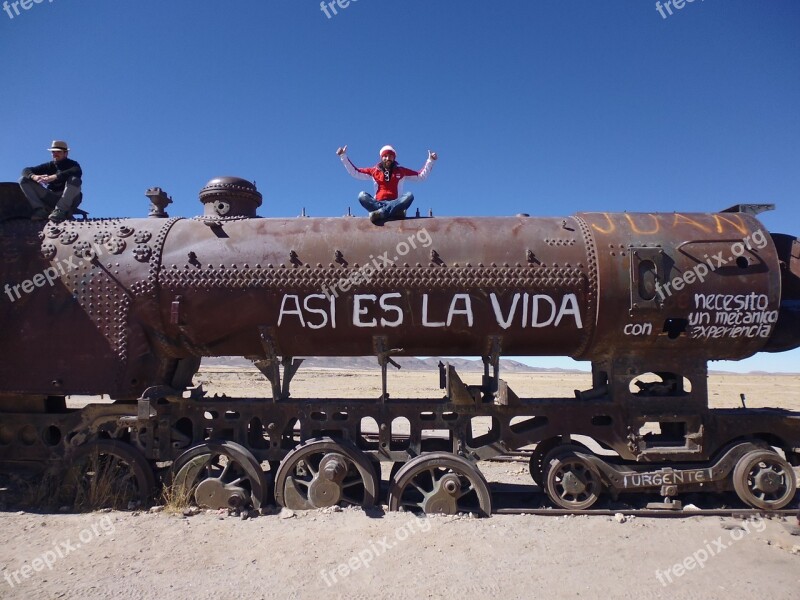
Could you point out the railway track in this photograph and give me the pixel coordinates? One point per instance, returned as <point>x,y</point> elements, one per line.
<point>504,494</point>
<point>516,499</point>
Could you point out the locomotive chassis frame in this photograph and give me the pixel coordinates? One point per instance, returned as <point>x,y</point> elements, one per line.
<point>696,450</point>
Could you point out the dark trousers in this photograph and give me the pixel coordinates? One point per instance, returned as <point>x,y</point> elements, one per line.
<point>40,197</point>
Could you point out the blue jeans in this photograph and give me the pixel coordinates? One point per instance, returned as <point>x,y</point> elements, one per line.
<point>387,208</point>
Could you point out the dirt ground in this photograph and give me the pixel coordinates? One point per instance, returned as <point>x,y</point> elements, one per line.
<point>353,554</point>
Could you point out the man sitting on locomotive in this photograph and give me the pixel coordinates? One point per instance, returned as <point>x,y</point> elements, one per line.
<point>62,176</point>
<point>388,176</point>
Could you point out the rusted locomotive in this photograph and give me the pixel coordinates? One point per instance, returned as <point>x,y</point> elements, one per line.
<point>127,308</point>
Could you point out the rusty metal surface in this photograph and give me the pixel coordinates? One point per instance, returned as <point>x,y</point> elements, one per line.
<point>673,284</point>
<point>225,197</point>
<point>327,286</point>
<point>127,307</point>
<point>142,294</point>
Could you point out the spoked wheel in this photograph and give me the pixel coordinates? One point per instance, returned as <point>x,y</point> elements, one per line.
<point>107,474</point>
<point>763,479</point>
<point>571,482</point>
<point>220,475</point>
<point>440,482</point>
<point>537,464</point>
<point>322,472</point>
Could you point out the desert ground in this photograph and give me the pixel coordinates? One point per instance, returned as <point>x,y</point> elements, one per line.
<point>380,554</point>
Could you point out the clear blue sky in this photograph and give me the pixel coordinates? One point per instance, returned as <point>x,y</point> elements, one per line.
<point>540,107</point>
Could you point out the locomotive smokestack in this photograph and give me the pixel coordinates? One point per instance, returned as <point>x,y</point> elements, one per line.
<point>230,197</point>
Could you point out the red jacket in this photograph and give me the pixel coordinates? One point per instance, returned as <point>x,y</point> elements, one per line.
<point>391,189</point>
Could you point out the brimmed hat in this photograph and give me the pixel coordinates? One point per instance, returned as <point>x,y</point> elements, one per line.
<point>387,150</point>
<point>58,145</point>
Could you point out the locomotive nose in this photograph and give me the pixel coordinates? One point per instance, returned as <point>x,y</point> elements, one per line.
<point>786,335</point>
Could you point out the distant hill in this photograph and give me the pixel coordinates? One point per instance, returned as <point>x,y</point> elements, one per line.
<point>368,363</point>
<point>753,373</point>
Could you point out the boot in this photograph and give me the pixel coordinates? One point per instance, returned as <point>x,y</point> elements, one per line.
<point>58,215</point>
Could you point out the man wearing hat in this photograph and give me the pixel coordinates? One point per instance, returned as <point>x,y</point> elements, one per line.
<point>388,177</point>
<point>62,178</point>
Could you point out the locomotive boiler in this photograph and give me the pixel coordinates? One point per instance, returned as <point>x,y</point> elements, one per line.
<point>128,307</point>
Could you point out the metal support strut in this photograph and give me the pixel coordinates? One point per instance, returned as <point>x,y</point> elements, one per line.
<point>270,366</point>
<point>491,383</point>
<point>379,346</point>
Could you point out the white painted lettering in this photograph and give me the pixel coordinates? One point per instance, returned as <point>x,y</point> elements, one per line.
<point>535,310</point>
<point>358,311</point>
<point>391,307</point>
<point>425,322</point>
<point>466,311</point>
<point>505,323</point>
<point>295,311</point>
<point>316,311</point>
<point>569,306</point>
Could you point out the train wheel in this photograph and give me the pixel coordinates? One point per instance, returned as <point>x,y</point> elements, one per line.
<point>396,466</point>
<point>220,475</point>
<point>322,472</point>
<point>538,465</point>
<point>107,474</point>
<point>764,480</point>
<point>572,481</point>
<point>440,482</point>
